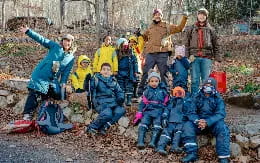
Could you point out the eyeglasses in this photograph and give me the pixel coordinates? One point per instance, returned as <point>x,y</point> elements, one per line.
<point>84,62</point>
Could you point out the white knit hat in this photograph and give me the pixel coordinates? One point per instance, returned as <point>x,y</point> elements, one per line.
<point>154,74</point>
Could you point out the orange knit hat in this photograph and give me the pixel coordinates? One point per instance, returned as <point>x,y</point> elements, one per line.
<point>178,92</point>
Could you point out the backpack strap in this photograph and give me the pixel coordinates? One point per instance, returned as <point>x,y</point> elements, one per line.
<point>76,74</point>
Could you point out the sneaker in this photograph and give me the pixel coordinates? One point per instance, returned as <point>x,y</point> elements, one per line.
<point>27,117</point>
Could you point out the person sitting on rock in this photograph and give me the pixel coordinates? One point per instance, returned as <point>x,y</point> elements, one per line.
<point>210,110</point>
<point>51,74</point>
<point>127,69</point>
<point>108,98</point>
<point>154,100</point>
<point>82,72</point>
<point>179,68</point>
<point>173,118</point>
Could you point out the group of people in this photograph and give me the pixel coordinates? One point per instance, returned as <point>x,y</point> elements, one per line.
<point>175,116</point>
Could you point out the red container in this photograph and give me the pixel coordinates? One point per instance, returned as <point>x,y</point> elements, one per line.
<point>221,79</point>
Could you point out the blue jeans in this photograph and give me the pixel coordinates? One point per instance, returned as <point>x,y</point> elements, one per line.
<point>200,71</point>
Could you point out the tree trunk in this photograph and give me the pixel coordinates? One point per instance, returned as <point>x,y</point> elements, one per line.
<point>62,14</point>
<point>170,11</point>
<point>28,13</point>
<point>98,27</point>
<point>112,18</point>
<point>3,15</point>
<point>105,14</point>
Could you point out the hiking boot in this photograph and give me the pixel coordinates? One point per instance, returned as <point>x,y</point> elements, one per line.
<point>154,138</point>
<point>91,131</point>
<point>190,157</point>
<point>223,160</point>
<point>27,117</point>
<point>162,152</point>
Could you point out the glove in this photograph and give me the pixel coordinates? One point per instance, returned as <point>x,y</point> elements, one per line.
<point>138,117</point>
<point>164,123</point>
<point>138,32</point>
<point>120,101</point>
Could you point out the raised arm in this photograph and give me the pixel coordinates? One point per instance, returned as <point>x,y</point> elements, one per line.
<point>38,38</point>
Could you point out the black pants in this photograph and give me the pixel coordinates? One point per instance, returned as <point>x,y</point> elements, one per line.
<point>152,59</point>
<point>34,97</point>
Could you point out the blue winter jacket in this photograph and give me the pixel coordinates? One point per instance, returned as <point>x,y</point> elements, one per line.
<point>127,67</point>
<point>106,92</point>
<point>211,108</point>
<point>43,75</point>
<point>179,110</point>
<point>154,98</point>
<point>179,70</point>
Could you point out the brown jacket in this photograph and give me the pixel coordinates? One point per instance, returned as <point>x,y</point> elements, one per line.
<point>156,32</point>
<point>210,48</point>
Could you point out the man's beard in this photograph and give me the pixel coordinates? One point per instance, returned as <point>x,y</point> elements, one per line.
<point>156,22</point>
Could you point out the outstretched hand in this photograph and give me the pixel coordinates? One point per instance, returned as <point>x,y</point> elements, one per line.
<point>23,29</point>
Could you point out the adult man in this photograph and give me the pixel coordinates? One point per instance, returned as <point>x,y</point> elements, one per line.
<point>156,46</point>
<point>202,47</point>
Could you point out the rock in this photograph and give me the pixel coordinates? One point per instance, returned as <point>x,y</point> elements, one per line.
<point>241,99</point>
<point>88,114</point>
<point>252,129</point>
<point>4,93</point>
<point>18,108</point>
<point>121,130</point>
<point>18,84</point>
<point>3,102</point>
<point>255,141</point>
<point>79,98</point>
<point>235,150</point>
<point>132,132</point>
<point>77,118</point>
<point>256,100</point>
<point>203,140</point>
<point>124,122</point>
<point>69,160</point>
<point>242,141</point>
<point>243,159</point>
<point>67,112</point>
<point>10,99</point>
<point>213,141</point>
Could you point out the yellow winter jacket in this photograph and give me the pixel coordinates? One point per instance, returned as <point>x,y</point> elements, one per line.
<point>105,54</point>
<point>78,77</point>
<point>138,50</point>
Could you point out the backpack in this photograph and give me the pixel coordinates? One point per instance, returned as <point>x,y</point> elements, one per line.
<point>50,119</point>
<point>19,126</point>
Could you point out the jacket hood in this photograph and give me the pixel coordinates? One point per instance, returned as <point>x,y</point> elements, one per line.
<point>81,58</point>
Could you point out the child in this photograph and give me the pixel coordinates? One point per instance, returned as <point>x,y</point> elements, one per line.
<point>83,72</point>
<point>51,74</point>
<point>173,117</point>
<point>179,68</point>
<point>127,69</point>
<point>137,45</point>
<point>210,111</point>
<point>154,101</point>
<point>105,54</point>
<point>107,98</point>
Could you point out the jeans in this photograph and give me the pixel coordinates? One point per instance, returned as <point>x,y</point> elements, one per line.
<point>200,71</point>
<point>152,59</point>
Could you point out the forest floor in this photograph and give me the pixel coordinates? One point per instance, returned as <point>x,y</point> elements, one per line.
<point>18,58</point>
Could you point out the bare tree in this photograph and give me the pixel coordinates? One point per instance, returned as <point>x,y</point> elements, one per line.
<point>62,14</point>
<point>3,15</point>
<point>98,27</point>
<point>105,21</point>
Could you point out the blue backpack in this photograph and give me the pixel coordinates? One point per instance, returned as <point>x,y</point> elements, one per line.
<point>50,119</point>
